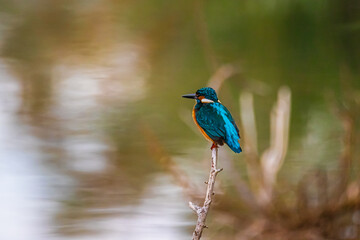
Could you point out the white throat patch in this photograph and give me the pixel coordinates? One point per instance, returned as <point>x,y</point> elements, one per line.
<point>205,100</point>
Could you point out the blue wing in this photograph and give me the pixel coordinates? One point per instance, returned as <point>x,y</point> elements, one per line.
<point>219,125</point>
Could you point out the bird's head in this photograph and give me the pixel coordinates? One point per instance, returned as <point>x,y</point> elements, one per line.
<point>203,95</point>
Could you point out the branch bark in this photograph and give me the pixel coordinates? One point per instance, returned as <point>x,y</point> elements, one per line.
<point>202,212</point>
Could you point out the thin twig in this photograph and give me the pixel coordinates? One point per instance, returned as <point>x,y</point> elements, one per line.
<point>202,212</point>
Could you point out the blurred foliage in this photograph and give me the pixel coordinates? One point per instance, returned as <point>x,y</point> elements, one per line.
<point>311,46</point>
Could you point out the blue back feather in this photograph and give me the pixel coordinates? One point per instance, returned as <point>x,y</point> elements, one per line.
<point>218,124</point>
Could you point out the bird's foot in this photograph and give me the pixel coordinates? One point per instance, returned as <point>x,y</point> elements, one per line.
<point>214,145</point>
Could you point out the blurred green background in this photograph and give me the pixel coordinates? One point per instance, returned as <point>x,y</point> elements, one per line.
<point>87,86</point>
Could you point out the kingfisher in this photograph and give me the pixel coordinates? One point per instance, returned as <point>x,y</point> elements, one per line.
<point>214,120</point>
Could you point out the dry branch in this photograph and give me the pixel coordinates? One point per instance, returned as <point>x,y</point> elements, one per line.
<point>202,212</point>
<point>263,170</point>
<point>250,142</point>
<point>273,158</point>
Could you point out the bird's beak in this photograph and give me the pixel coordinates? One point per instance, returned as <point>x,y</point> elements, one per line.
<point>193,96</point>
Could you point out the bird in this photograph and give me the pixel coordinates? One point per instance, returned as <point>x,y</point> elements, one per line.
<point>214,120</point>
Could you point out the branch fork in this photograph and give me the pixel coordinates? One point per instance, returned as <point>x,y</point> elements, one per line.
<point>202,212</point>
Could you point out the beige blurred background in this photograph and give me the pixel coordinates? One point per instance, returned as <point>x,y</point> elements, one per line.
<point>97,143</point>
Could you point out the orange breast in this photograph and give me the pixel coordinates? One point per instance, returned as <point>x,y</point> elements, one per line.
<point>201,130</point>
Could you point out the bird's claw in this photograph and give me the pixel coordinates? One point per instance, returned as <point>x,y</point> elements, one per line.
<point>214,145</point>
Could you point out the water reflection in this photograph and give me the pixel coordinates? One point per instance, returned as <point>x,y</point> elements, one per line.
<point>26,185</point>
<point>157,215</point>
<point>83,83</point>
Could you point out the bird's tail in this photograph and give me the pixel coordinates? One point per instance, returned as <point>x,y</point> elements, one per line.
<point>235,146</point>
